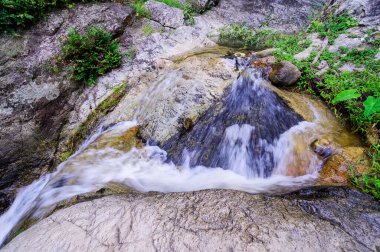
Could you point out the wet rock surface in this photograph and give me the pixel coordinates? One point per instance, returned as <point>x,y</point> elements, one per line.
<point>213,220</point>
<point>247,107</point>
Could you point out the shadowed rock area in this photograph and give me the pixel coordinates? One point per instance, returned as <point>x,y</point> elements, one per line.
<point>216,220</point>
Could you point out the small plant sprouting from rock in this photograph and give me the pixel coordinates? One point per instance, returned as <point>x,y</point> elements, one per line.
<point>139,7</point>
<point>91,54</point>
<point>189,14</point>
<point>131,53</point>
<point>148,30</point>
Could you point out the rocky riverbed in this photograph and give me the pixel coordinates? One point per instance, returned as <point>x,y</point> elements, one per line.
<point>42,112</point>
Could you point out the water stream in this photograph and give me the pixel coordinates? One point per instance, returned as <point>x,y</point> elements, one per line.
<point>248,141</point>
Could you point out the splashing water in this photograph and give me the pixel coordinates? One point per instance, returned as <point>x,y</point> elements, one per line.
<point>244,156</point>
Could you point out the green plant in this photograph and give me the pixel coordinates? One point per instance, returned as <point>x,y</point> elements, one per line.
<point>148,30</point>
<point>189,14</point>
<point>21,13</point>
<point>370,183</point>
<point>346,95</point>
<point>141,10</point>
<point>333,25</point>
<point>371,106</point>
<point>91,55</point>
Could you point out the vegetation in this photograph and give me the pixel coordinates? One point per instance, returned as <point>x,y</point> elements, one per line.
<point>370,183</point>
<point>148,30</point>
<point>189,14</point>
<point>141,10</point>
<point>91,55</point>
<point>21,13</point>
<point>354,95</point>
<point>332,26</point>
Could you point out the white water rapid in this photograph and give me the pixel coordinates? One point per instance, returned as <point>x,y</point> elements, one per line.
<point>148,169</point>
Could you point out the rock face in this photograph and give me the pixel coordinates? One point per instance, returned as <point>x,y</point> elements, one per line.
<point>192,85</point>
<point>34,103</point>
<point>165,15</point>
<point>284,74</point>
<point>284,15</point>
<point>310,220</point>
<point>366,11</point>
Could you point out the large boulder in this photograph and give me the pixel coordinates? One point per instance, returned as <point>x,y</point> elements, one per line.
<point>336,219</point>
<point>284,74</point>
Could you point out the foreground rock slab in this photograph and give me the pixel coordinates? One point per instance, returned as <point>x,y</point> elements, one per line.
<point>214,220</point>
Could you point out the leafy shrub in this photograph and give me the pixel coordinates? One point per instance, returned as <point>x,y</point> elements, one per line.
<point>91,55</point>
<point>21,13</point>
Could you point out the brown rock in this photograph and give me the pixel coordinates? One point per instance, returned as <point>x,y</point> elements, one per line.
<point>284,74</point>
<point>337,168</point>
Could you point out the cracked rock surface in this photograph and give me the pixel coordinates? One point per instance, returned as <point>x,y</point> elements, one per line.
<point>213,220</point>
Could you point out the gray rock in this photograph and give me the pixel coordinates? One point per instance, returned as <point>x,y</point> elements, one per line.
<point>366,11</point>
<point>350,67</point>
<point>316,45</point>
<point>35,102</point>
<point>335,219</point>
<point>284,74</point>
<point>192,85</point>
<point>165,15</point>
<point>345,41</point>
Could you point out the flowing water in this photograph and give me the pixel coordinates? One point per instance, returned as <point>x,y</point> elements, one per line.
<point>249,141</point>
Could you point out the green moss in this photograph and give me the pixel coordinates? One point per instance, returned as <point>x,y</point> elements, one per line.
<point>85,129</point>
<point>65,155</point>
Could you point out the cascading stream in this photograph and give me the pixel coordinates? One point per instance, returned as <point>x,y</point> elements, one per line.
<point>242,130</point>
<point>246,142</point>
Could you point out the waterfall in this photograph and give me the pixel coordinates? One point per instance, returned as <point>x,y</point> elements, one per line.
<point>244,142</point>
